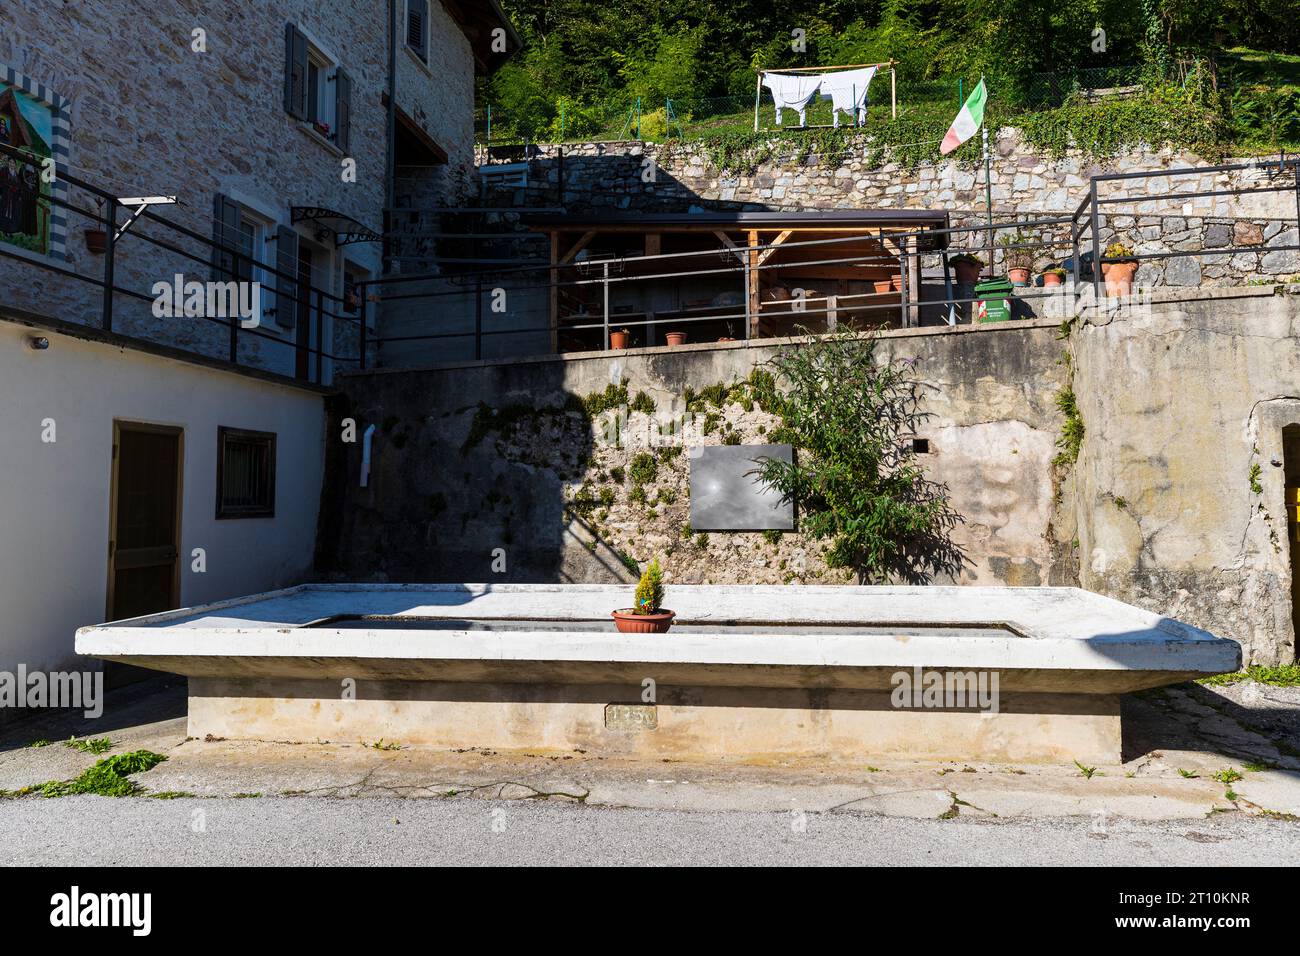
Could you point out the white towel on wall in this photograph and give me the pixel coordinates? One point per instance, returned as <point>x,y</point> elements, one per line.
<point>847,92</point>
<point>792,91</point>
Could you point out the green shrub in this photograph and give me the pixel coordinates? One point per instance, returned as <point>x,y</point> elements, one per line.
<point>643,468</point>
<point>650,590</point>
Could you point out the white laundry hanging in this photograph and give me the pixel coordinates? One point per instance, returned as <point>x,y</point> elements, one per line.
<point>847,92</point>
<point>792,92</point>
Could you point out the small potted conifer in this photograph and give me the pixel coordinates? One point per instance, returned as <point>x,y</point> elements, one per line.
<point>648,617</point>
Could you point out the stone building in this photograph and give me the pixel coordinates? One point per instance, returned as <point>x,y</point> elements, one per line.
<point>260,119</point>
<point>143,468</point>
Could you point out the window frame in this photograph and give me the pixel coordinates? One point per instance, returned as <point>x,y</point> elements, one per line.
<point>226,512</point>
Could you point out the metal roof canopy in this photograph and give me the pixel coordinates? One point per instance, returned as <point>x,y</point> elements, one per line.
<point>811,220</point>
<point>345,228</point>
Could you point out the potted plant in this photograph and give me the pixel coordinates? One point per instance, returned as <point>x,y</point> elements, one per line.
<point>1119,273</point>
<point>967,267</point>
<point>1054,275</point>
<point>618,339</point>
<point>675,338</point>
<point>96,241</point>
<point>893,284</point>
<point>1019,261</point>
<point>648,617</point>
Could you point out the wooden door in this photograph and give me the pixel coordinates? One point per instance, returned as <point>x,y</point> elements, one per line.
<point>144,531</point>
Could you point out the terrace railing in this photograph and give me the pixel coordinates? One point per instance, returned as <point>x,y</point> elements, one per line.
<point>134,227</point>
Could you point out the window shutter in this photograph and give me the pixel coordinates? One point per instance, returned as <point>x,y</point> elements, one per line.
<point>416,14</point>
<point>225,233</point>
<point>286,286</point>
<point>295,72</point>
<point>342,108</point>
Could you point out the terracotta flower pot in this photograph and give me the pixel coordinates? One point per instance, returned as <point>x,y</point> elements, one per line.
<point>1119,277</point>
<point>726,338</point>
<point>618,340</point>
<point>1018,276</point>
<point>675,338</point>
<point>97,241</point>
<point>968,273</point>
<point>629,622</point>
<point>1051,278</point>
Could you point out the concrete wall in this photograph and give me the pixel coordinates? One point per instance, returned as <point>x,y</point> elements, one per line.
<point>54,514</point>
<point>1180,402</point>
<point>1180,398</point>
<point>436,509</point>
<point>150,116</point>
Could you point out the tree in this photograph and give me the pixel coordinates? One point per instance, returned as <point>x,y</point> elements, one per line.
<point>851,417</point>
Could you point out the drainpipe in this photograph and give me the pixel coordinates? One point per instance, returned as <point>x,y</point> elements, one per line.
<point>390,188</point>
<point>365,455</point>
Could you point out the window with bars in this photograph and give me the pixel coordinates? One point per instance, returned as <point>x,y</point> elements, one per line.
<point>245,473</point>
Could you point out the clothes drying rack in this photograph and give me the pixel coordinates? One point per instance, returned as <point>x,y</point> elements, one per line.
<point>889,65</point>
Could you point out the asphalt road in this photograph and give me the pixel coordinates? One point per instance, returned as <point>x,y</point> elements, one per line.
<point>88,831</point>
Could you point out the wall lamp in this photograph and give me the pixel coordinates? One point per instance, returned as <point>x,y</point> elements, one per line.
<point>38,342</point>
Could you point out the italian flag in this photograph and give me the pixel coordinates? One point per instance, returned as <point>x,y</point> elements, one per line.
<point>967,121</point>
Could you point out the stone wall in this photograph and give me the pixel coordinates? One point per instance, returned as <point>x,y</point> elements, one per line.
<point>1151,214</point>
<point>471,458</point>
<point>152,116</point>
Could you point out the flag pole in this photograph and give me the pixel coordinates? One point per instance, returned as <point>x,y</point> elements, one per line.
<point>988,182</point>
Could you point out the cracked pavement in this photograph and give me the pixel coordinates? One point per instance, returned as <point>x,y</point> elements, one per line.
<point>1210,773</point>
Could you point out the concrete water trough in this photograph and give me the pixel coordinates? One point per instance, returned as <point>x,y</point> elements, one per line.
<point>751,672</point>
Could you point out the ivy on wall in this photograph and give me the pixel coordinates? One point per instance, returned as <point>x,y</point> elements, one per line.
<point>1098,130</point>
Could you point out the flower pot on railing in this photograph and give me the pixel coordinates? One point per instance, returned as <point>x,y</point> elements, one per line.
<point>1119,271</point>
<point>96,241</point>
<point>1119,277</point>
<point>675,338</point>
<point>618,340</point>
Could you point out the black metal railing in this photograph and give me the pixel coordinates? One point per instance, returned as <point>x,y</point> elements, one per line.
<point>208,252</point>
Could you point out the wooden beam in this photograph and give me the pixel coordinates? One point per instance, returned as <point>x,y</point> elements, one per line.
<point>577,246</point>
<point>726,241</point>
<point>773,244</point>
<point>752,292</point>
<point>913,291</point>
<point>653,243</point>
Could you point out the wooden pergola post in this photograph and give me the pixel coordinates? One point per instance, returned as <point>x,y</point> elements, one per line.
<point>752,285</point>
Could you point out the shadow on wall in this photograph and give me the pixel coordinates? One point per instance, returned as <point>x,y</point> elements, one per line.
<point>449,497</point>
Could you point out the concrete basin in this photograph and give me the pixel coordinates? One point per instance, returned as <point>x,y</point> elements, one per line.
<point>752,672</point>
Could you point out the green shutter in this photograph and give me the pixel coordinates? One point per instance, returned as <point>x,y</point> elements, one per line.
<point>225,234</point>
<point>295,72</point>
<point>342,108</point>
<point>286,286</point>
<point>416,15</point>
